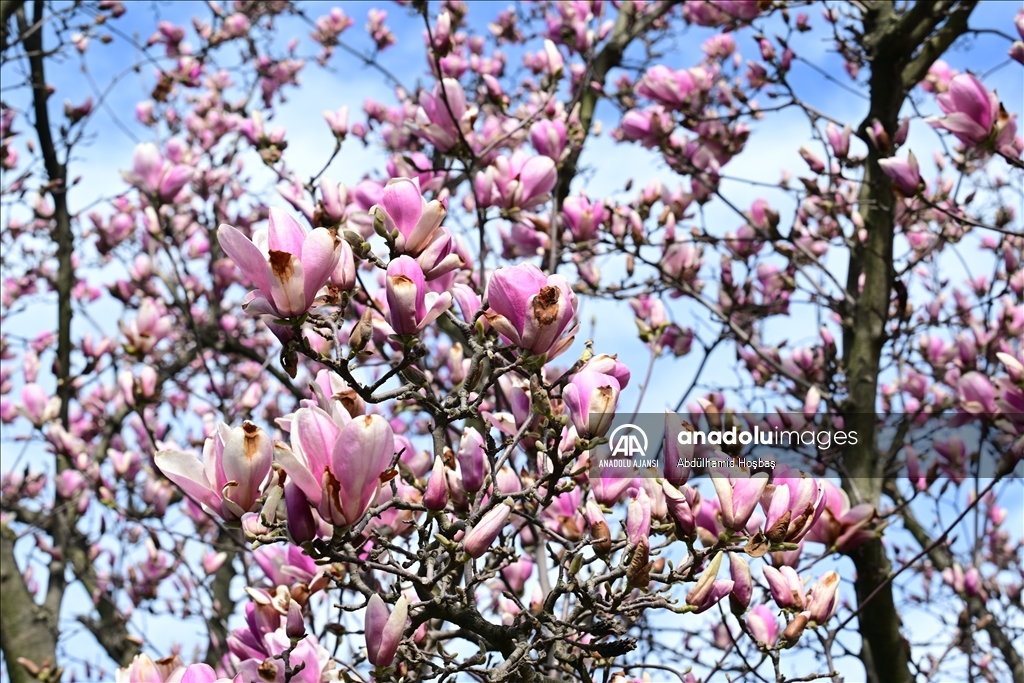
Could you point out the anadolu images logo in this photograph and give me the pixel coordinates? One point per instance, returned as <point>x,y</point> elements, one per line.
<point>625,441</point>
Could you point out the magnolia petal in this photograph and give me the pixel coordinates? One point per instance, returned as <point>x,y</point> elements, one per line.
<point>248,454</point>
<point>375,620</point>
<point>436,304</point>
<point>320,255</point>
<point>246,256</point>
<point>186,471</point>
<point>300,474</point>
<point>403,203</point>
<point>285,233</point>
<point>362,453</point>
<point>287,284</point>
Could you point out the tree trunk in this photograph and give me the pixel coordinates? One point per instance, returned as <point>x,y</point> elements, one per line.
<point>900,48</point>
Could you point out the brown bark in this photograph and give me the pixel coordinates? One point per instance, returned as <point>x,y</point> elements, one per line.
<point>27,630</point>
<point>900,48</point>
<point>30,629</point>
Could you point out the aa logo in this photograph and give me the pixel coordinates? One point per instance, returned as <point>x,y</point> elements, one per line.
<point>628,441</point>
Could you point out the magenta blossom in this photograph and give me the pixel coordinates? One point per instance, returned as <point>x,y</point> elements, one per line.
<point>786,587</point>
<point>479,539</point>
<point>229,479</point>
<point>154,176</point>
<point>37,406</point>
<point>792,503</point>
<point>823,601</point>
<point>410,306</point>
<point>337,466</point>
<point>518,181</point>
<point>738,495</point>
<point>531,310</point>
<point>403,208</point>
<point>287,265</point>
<point>583,217</point>
<point>903,172</point>
<point>675,90</point>
<point>971,110</point>
<point>384,630</point>
<point>548,137</point>
<point>591,398</point>
<point>976,394</point>
<point>709,589</point>
<point>443,116</point>
<point>763,625</point>
<point>839,524</point>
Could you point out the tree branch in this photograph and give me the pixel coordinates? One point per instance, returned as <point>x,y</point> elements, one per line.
<point>27,630</point>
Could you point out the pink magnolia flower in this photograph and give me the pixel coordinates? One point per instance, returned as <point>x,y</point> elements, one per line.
<point>518,181</point>
<point>548,137</point>
<point>839,524</point>
<point>709,589</point>
<point>609,364</point>
<point>287,265</point>
<point>903,172</point>
<point>792,503</point>
<point>435,496</point>
<point>738,495</point>
<point>648,126</point>
<point>763,625</point>
<point>472,459</point>
<point>590,398</point>
<point>37,406</point>
<point>384,630</point>
<point>154,176</point>
<point>478,539</point>
<point>338,121</point>
<point>1016,51</point>
<point>743,585</point>
<point>285,564</point>
<point>786,587</point>
<point>824,598</point>
<point>443,116</point>
<point>938,78</point>
<point>583,217</point>
<point>144,670</point>
<point>410,306</point>
<point>638,516</point>
<point>971,110</point>
<point>229,479</point>
<point>531,310</point>
<point>337,466</point>
<point>675,90</point>
<point>683,507</point>
<point>723,11</point>
<point>403,208</point>
<point>312,661</point>
<point>976,394</point>
<point>441,256</point>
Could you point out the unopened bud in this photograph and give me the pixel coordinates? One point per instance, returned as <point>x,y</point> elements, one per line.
<point>362,331</point>
<point>795,629</point>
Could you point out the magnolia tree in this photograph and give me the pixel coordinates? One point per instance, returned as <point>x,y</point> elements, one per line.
<point>348,432</point>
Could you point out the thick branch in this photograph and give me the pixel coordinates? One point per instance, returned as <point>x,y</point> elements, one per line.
<point>628,26</point>
<point>27,630</point>
<point>7,10</point>
<point>891,46</point>
<point>30,630</point>
<point>936,45</point>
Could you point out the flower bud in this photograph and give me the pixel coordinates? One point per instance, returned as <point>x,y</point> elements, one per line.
<point>482,535</point>
<point>436,495</point>
<point>383,630</point>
